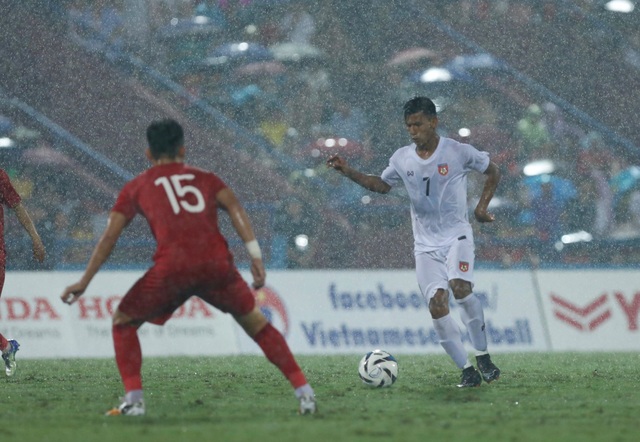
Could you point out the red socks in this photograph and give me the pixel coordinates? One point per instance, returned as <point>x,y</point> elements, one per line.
<point>3,343</point>
<point>277,351</point>
<point>270,340</point>
<point>128,356</point>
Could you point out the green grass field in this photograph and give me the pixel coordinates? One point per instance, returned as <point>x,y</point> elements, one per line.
<point>540,397</point>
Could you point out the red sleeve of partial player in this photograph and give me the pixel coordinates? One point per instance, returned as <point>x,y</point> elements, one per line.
<point>8,195</point>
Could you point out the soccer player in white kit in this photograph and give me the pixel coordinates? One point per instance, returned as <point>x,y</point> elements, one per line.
<point>434,171</point>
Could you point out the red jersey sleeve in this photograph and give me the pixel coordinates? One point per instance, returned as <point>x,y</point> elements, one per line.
<point>8,195</point>
<point>125,203</point>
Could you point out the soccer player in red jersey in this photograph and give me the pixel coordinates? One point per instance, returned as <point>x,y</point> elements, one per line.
<point>180,204</point>
<point>10,198</point>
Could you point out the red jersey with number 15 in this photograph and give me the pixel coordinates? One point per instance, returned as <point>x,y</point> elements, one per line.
<point>179,203</point>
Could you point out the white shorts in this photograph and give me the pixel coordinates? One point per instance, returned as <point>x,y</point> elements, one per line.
<point>435,269</point>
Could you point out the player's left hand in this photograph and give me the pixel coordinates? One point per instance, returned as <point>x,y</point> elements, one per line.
<point>72,293</point>
<point>38,251</point>
<point>258,272</point>
<point>483,216</point>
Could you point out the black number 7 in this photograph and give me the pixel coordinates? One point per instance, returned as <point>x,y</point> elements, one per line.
<point>428,181</point>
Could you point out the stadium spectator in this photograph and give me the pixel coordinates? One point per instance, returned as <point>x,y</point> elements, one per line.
<point>348,121</point>
<point>298,25</point>
<point>10,198</point>
<point>295,235</point>
<point>180,204</point>
<point>434,172</point>
<point>533,133</point>
<point>547,214</point>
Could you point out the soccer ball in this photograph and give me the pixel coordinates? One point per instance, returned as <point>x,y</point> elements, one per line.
<point>378,369</point>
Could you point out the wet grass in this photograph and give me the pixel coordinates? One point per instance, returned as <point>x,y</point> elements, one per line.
<point>549,397</point>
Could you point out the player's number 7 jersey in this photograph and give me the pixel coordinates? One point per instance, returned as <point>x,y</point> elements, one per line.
<point>437,188</point>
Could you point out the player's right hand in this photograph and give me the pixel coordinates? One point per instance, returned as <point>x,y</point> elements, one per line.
<point>72,293</point>
<point>337,163</point>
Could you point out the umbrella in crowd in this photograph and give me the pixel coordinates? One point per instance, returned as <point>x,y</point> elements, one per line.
<point>561,188</point>
<point>295,52</point>
<point>475,63</point>
<point>260,69</point>
<point>411,56</point>
<point>324,147</point>
<point>198,26</point>
<point>240,52</point>
<point>625,180</point>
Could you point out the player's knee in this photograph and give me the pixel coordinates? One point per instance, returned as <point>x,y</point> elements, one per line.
<point>120,318</point>
<point>461,289</point>
<point>439,304</point>
<point>252,322</point>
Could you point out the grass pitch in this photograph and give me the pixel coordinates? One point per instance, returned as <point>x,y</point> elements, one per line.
<point>540,397</point>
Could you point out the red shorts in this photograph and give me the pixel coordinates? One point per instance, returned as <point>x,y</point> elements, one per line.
<point>164,288</point>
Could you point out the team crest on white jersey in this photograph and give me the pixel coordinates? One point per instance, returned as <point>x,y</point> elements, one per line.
<point>464,266</point>
<point>443,169</point>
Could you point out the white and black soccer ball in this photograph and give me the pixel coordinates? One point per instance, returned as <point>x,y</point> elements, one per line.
<point>378,369</point>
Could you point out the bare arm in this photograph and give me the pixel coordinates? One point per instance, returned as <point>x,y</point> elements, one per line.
<point>490,186</point>
<point>369,182</point>
<point>240,221</point>
<point>116,224</point>
<point>27,224</point>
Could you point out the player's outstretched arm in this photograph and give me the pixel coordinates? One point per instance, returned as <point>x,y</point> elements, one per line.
<point>30,228</point>
<point>369,182</point>
<point>116,224</point>
<point>227,200</point>
<point>490,186</point>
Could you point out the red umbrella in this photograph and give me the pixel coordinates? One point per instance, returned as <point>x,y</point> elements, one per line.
<point>324,147</point>
<point>412,55</point>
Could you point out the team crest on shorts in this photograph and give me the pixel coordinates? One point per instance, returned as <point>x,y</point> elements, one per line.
<point>464,266</point>
<point>443,169</point>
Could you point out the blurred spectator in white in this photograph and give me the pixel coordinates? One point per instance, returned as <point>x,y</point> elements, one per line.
<point>298,25</point>
<point>595,161</point>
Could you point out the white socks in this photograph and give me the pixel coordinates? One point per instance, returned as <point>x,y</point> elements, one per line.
<point>134,396</point>
<point>305,390</point>
<point>472,317</point>
<point>451,339</point>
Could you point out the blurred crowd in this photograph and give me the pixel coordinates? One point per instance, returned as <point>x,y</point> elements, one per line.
<point>314,78</point>
<point>69,210</point>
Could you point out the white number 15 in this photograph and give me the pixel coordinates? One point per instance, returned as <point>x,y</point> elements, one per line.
<point>176,193</point>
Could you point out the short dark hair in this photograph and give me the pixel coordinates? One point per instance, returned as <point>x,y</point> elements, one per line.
<point>420,104</point>
<point>165,138</point>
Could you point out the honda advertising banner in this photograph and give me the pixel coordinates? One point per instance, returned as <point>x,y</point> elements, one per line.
<point>32,313</point>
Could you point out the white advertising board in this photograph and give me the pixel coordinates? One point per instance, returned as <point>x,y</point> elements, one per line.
<point>325,312</point>
<point>334,312</point>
